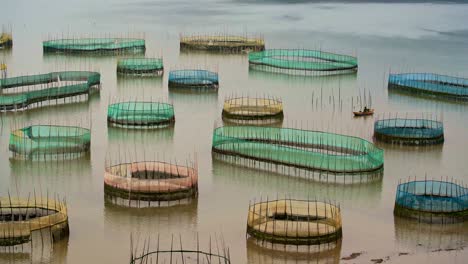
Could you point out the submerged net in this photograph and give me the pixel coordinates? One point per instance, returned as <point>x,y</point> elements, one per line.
<point>6,40</point>
<point>304,60</point>
<point>23,91</point>
<point>220,43</point>
<point>309,150</point>
<point>296,222</point>
<point>151,181</point>
<point>430,84</point>
<point>141,114</point>
<point>409,131</point>
<point>193,79</point>
<point>140,66</point>
<point>95,45</point>
<point>19,218</point>
<point>43,140</point>
<point>252,108</point>
<point>433,201</point>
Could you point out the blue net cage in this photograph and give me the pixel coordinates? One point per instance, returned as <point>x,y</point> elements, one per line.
<point>193,78</point>
<point>409,131</point>
<point>430,84</point>
<point>431,198</point>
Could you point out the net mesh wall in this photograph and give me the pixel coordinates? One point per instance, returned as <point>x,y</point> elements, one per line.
<point>151,181</point>
<point>297,222</point>
<point>433,201</point>
<point>252,108</point>
<point>94,45</point>
<point>222,43</point>
<point>6,40</point>
<point>431,84</point>
<point>311,150</point>
<point>141,114</point>
<point>17,92</point>
<point>409,131</point>
<point>193,79</point>
<point>43,140</point>
<point>19,218</point>
<point>304,60</point>
<point>140,66</point>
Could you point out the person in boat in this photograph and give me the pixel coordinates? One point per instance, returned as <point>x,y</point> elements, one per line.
<point>365,109</point>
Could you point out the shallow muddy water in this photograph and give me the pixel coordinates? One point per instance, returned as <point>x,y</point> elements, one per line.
<point>396,37</point>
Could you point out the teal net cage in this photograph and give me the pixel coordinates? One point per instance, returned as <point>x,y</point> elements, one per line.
<point>140,66</point>
<point>409,131</point>
<point>95,45</point>
<point>193,80</point>
<point>430,84</point>
<point>140,114</point>
<point>24,91</point>
<point>300,152</point>
<point>432,201</point>
<point>49,141</point>
<point>294,61</point>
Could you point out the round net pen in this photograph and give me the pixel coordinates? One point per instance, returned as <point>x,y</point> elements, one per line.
<point>302,62</point>
<point>97,46</point>
<point>24,92</point>
<point>222,43</point>
<point>158,252</point>
<point>294,222</point>
<point>309,154</point>
<point>416,131</point>
<point>49,141</point>
<point>432,201</point>
<point>150,183</point>
<point>244,109</point>
<point>6,40</point>
<point>20,219</point>
<point>140,114</point>
<point>193,80</point>
<point>140,66</point>
<point>430,84</point>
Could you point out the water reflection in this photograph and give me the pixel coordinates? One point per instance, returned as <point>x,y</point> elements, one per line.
<point>43,251</point>
<point>264,253</point>
<point>430,237</point>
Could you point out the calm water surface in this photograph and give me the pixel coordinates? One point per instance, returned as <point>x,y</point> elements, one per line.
<point>397,37</point>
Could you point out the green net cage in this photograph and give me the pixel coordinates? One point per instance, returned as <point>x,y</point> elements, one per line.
<point>432,201</point>
<point>430,84</point>
<point>95,45</point>
<point>294,61</point>
<point>24,91</point>
<point>140,66</point>
<point>140,114</point>
<point>323,152</point>
<point>39,141</point>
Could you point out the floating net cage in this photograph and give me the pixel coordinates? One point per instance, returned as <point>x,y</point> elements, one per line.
<point>430,84</point>
<point>6,40</point>
<point>308,154</point>
<point>302,62</point>
<point>3,70</point>
<point>222,43</point>
<point>20,219</point>
<point>98,45</point>
<point>49,142</point>
<point>432,201</point>
<point>140,66</point>
<point>24,92</point>
<point>262,252</point>
<point>155,252</point>
<point>245,109</point>
<point>419,129</point>
<point>193,80</point>
<point>294,222</point>
<point>140,114</point>
<point>151,183</point>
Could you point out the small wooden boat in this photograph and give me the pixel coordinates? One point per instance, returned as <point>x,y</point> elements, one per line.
<point>365,112</point>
